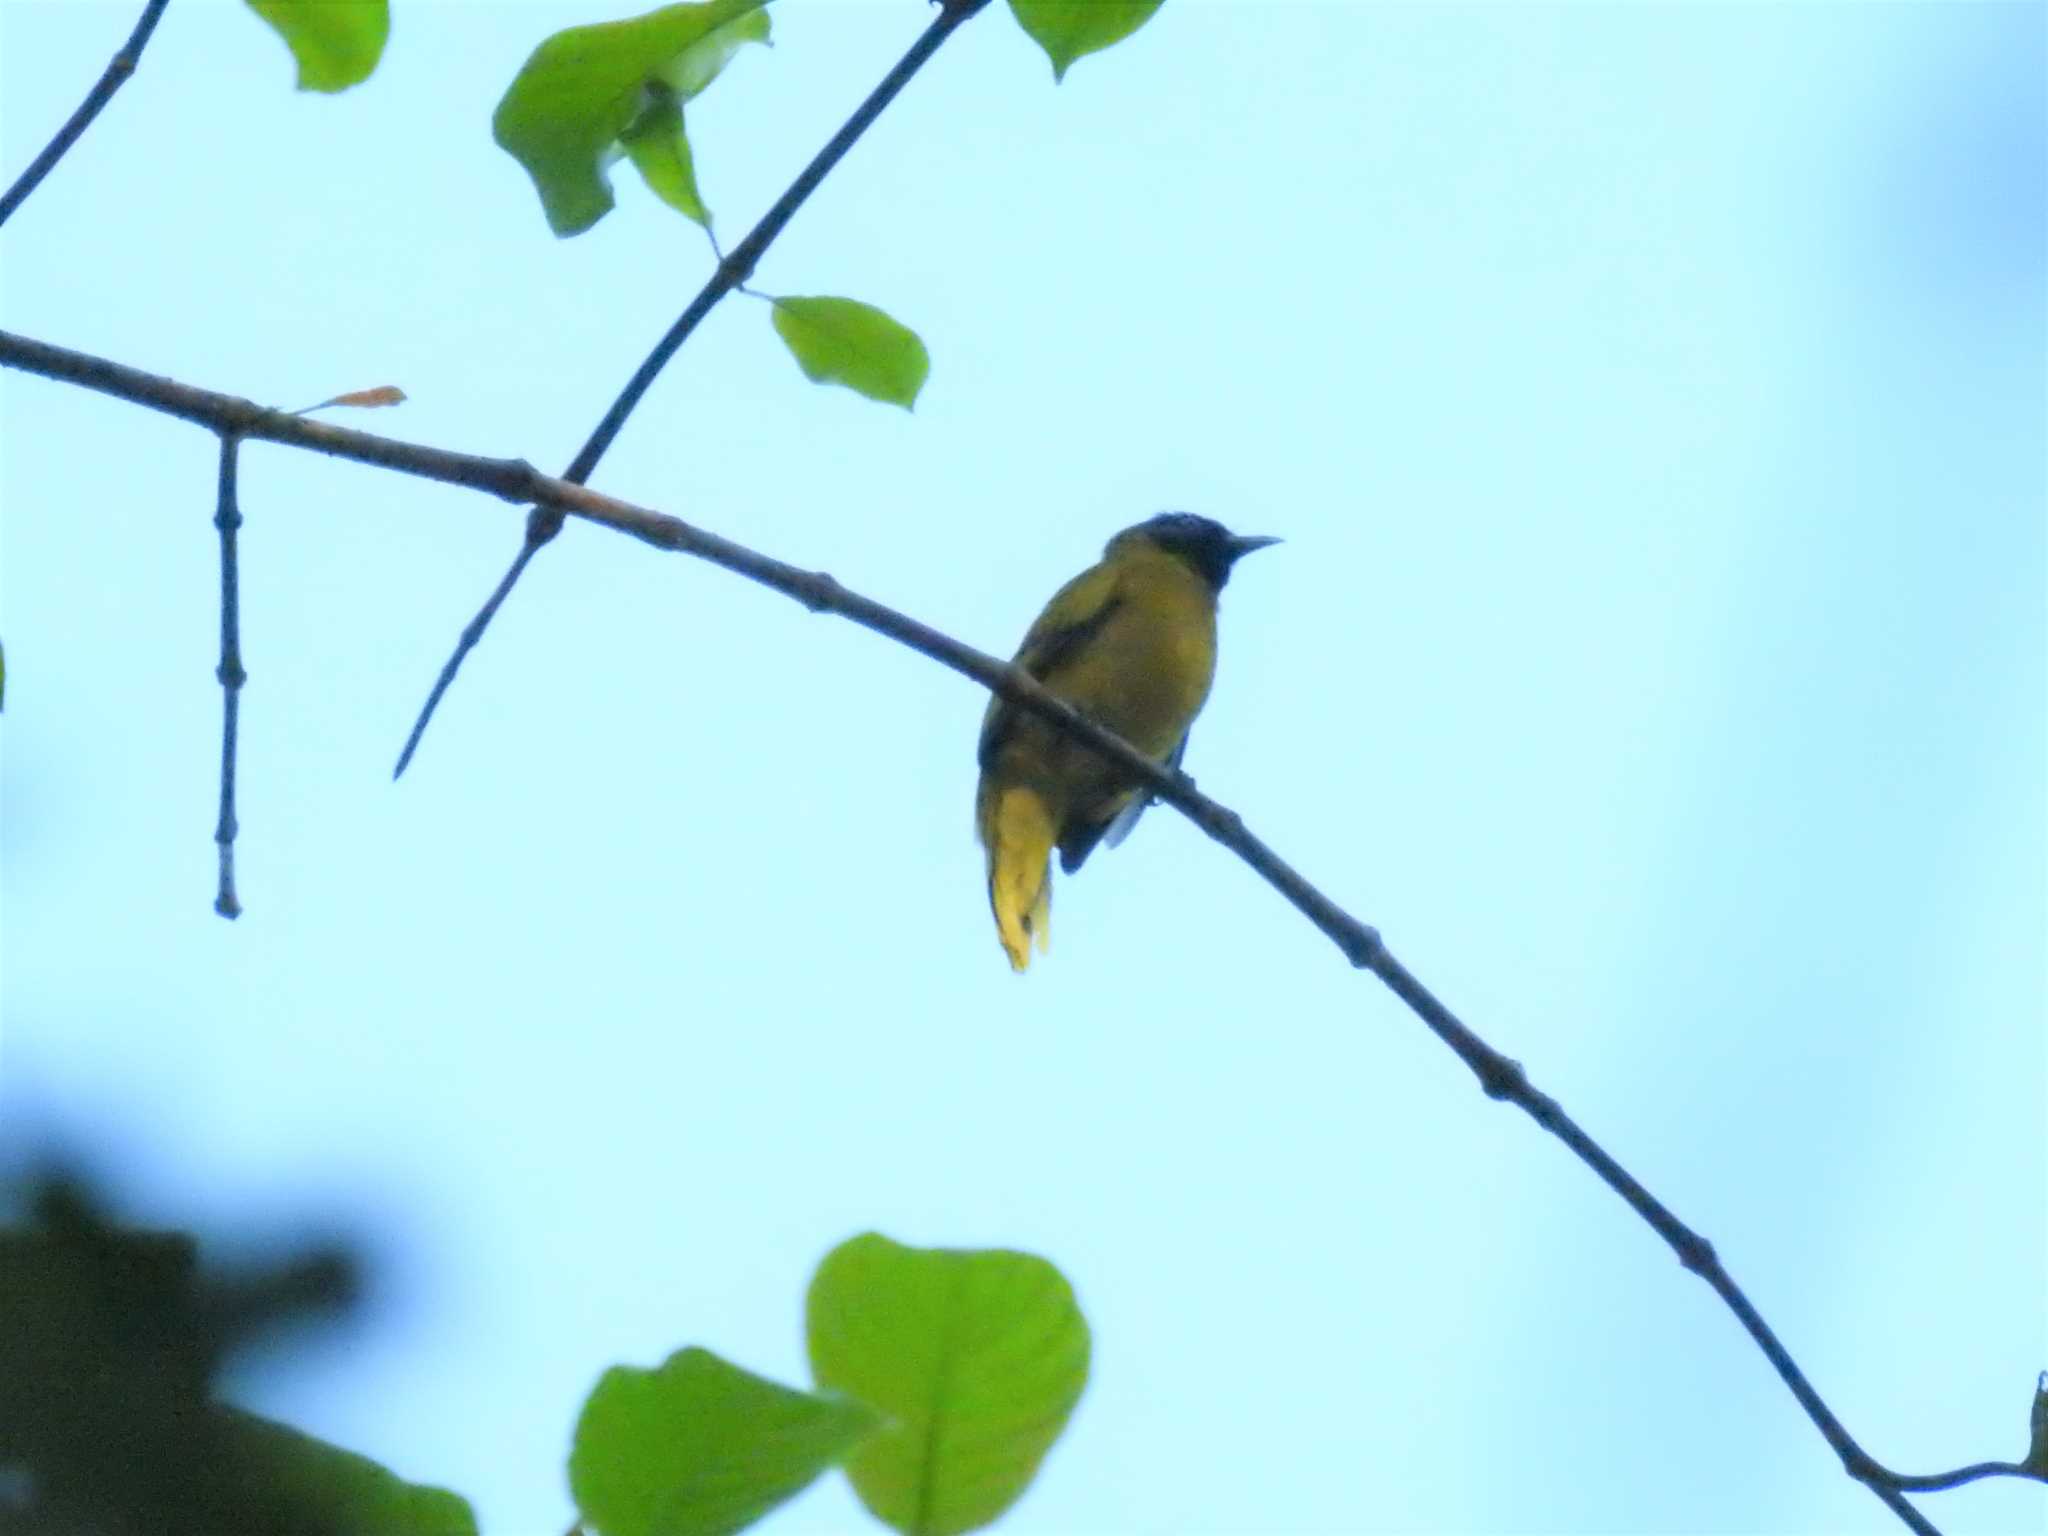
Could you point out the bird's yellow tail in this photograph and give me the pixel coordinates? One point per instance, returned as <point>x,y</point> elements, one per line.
<point>1017,829</point>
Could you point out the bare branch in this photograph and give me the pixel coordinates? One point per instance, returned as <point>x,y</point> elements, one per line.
<point>118,69</point>
<point>1499,1076</point>
<point>227,517</point>
<point>2034,1468</point>
<point>733,269</point>
<point>1941,1482</point>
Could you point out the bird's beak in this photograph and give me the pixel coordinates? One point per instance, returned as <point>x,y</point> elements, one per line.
<point>1243,544</point>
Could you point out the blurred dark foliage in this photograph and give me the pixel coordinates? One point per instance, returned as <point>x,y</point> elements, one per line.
<point>109,1343</point>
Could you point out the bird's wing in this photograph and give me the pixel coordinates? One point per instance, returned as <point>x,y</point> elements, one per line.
<point>1075,616</point>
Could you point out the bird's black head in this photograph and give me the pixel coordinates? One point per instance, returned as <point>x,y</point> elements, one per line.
<point>1202,542</point>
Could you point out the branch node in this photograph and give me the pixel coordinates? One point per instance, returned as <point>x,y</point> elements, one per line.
<point>1363,947</point>
<point>1502,1077</point>
<point>522,481</point>
<point>822,593</point>
<point>737,265</point>
<point>1697,1254</point>
<point>542,524</point>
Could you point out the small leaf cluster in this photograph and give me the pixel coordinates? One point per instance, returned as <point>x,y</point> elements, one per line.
<point>594,95</point>
<point>591,93</point>
<point>942,1378</point>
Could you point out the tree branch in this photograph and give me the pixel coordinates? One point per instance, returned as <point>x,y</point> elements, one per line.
<point>734,269</point>
<point>1498,1076</point>
<point>118,69</point>
<point>1942,1482</point>
<point>227,517</point>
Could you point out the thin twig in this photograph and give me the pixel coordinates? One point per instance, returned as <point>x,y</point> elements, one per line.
<point>118,69</point>
<point>1942,1482</point>
<point>517,481</point>
<point>733,269</point>
<point>227,517</point>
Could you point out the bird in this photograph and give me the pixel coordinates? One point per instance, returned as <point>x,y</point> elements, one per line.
<point>1131,643</point>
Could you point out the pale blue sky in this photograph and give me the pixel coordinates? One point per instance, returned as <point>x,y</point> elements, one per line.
<point>1652,401</point>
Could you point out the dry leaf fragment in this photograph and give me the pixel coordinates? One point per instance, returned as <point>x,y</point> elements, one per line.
<point>383,394</point>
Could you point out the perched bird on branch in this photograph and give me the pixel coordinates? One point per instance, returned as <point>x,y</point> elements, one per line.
<point>1131,643</point>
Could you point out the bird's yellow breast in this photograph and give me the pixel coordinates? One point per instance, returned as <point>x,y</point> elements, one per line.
<point>1147,673</point>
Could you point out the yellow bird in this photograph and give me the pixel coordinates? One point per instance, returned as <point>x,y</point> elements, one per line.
<point>1131,643</point>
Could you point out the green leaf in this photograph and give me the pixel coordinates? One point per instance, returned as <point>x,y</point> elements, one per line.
<point>976,1356</point>
<point>700,1447</point>
<point>352,1494</point>
<point>337,42</point>
<point>661,153</point>
<point>702,62</point>
<point>842,341</point>
<point>1066,29</point>
<point>583,91</point>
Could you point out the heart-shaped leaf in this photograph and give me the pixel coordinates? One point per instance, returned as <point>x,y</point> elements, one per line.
<point>337,43</point>
<point>842,341</point>
<point>977,1357</point>
<point>699,1447</point>
<point>1067,29</point>
<point>582,92</point>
